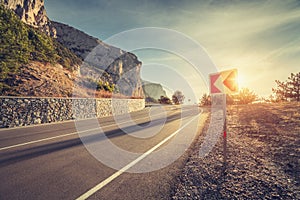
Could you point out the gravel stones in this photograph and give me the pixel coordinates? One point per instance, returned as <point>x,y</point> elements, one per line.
<point>263,157</point>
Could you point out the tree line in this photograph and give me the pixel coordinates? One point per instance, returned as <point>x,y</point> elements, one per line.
<point>288,90</point>
<point>245,96</point>
<point>177,99</point>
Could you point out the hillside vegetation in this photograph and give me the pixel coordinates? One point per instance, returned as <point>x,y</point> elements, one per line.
<point>21,44</point>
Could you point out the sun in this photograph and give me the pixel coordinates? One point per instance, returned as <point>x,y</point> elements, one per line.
<point>241,80</point>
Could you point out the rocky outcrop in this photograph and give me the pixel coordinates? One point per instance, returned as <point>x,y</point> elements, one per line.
<point>123,67</point>
<point>33,13</point>
<point>77,41</point>
<point>153,91</point>
<point>125,71</point>
<point>119,67</point>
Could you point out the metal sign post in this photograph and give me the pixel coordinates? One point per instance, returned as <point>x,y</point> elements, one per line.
<point>223,83</point>
<point>225,135</point>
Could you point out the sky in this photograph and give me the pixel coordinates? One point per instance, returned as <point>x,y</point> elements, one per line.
<point>259,38</point>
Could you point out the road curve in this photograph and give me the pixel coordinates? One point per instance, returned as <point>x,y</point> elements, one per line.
<point>56,161</point>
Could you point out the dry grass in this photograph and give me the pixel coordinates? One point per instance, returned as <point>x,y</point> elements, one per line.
<point>263,154</point>
<point>89,93</point>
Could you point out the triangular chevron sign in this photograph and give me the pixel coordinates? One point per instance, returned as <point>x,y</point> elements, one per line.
<point>224,82</point>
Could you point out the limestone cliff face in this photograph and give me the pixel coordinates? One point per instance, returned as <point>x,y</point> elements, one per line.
<point>125,70</point>
<point>77,41</point>
<point>32,12</point>
<point>123,67</point>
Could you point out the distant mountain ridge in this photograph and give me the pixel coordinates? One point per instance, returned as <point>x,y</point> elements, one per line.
<point>153,91</point>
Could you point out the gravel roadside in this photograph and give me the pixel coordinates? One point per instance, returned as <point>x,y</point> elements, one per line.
<point>263,157</point>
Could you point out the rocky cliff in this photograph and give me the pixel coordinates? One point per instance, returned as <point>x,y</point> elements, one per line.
<point>77,41</point>
<point>33,13</point>
<point>123,67</point>
<point>32,63</point>
<point>119,67</point>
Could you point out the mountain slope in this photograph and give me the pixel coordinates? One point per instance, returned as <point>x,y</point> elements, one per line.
<point>107,68</point>
<point>22,44</point>
<point>123,67</point>
<point>77,41</point>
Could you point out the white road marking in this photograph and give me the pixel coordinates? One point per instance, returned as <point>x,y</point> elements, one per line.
<point>128,166</point>
<point>65,135</point>
<point>42,140</point>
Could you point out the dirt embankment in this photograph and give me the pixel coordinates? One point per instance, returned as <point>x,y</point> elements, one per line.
<point>263,157</point>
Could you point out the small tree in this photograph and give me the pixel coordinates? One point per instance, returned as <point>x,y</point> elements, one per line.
<point>294,86</point>
<point>246,96</point>
<point>288,90</point>
<point>281,91</point>
<point>205,100</point>
<point>164,100</point>
<point>178,97</point>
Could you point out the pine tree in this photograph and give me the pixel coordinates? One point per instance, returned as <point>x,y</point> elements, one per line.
<point>281,91</point>
<point>288,90</point>
<point>293,85</point>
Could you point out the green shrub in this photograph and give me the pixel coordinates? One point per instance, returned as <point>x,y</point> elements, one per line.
<point>105,86</point>
<point>21,43</point>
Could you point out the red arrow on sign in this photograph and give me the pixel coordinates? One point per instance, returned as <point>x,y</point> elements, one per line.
<point>230,81</point>
<point>213,79</point>
<point>224,82</point>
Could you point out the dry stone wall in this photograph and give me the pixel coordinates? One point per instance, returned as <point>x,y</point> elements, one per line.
<point>16,111</point>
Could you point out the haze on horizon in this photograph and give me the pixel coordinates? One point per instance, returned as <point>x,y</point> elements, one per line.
<point>259,38</point>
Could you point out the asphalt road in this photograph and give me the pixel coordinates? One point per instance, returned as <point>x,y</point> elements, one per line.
<point>136,156</point>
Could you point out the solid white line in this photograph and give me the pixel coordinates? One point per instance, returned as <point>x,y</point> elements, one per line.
<point>65,135</point>
<point>134,162</point>
<point>41,140</point>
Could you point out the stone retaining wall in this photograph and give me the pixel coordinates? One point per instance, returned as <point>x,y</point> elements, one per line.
<point>19,111</point>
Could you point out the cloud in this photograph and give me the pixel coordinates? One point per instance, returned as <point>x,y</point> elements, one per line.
<point>258,37</point>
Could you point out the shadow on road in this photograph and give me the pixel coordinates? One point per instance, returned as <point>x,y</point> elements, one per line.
<point>8,158</point>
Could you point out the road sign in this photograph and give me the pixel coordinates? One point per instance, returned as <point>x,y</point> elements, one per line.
<point>224,82</point>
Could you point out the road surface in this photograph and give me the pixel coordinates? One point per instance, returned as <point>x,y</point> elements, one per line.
<point>56,161</point>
